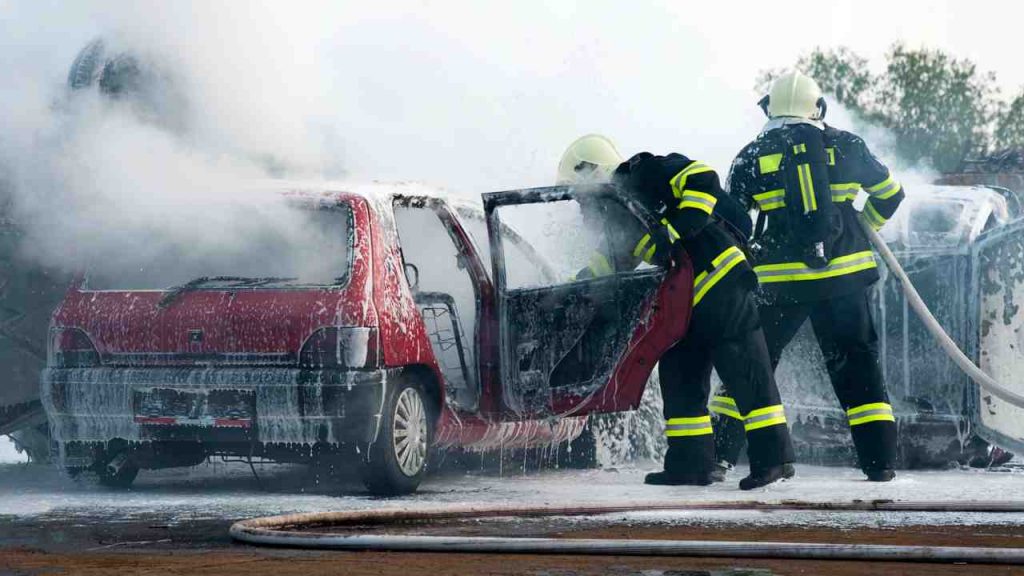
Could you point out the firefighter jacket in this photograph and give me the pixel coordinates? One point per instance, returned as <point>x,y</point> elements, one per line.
<point>694,213</point>
<point>760,179</point>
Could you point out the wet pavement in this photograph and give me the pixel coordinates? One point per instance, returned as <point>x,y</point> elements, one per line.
<point>47,519</point>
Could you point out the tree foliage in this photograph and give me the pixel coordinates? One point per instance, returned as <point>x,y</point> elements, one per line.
<point>939,108</point>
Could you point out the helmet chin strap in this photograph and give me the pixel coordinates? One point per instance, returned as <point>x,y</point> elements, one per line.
<point>821,104</point>
<point>763,103</point>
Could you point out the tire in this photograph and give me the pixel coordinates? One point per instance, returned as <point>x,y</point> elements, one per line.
<point>399,459</point>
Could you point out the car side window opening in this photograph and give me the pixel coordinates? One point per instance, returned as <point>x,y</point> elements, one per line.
<point>596,238</point>
<point>446,297</point>
<point>528,265</point>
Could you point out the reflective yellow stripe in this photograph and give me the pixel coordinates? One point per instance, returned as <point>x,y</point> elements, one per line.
<point>698,200</point>
<point>874,218</point>
<point>672,234</point>
<point>694,426</point>
<point>807,188</point>
<point>844,191</point>
<point>875,412</point>
<point>641,245</point>
<point>880,185</point>
<point>800,148</point>
<point>885,189</point>
<point>599,265</point>
<point>888,192</point>
<point>866,407</point>
<point>725,400</point>
<point>688,420</point>
<point>764,417</point>
<point>770,200</point>
<point>725,406</point>
<point>831,156</point>
<point>845,186</point>
<point>769,163</point>
<point>722,264</point>
<point>798,271</point>
<point>649,255</point>
<point>678,182</point>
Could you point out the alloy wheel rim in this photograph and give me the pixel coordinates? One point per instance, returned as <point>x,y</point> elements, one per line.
<point>410,432</point>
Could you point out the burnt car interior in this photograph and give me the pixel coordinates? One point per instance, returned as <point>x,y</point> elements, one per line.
<point>445,294</point>
<point>562,338</point>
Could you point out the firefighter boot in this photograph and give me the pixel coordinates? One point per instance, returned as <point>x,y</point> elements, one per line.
<point>664,478</point>
<point>759,478</point>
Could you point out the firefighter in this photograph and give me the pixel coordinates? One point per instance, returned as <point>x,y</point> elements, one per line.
<point>724,331</point>
<point>813,259</point>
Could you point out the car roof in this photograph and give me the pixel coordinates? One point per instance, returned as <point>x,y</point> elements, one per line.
<point>377,192</point>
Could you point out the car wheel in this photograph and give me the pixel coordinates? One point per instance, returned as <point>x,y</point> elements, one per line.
<point>399,458</point>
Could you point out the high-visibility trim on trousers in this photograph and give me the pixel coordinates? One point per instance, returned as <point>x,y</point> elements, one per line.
<point>722,264</point>
<point>764,417</point>
<point>874,412</point>
<point>691,426</point>
<point>725,406</point>
<point>798,271</point>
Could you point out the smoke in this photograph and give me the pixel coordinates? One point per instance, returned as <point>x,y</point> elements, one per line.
<point>468,97</point>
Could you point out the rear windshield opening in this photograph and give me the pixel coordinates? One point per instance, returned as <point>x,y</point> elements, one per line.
<point>296,246</point>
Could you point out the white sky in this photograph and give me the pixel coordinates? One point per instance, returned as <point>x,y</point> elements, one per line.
<point>482,95</point>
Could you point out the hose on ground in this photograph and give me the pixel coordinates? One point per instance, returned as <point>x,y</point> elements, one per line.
<point>312,530</point>
<point>986,382</point>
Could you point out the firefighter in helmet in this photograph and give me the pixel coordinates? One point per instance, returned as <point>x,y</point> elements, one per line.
<point>813,259</point>
<point>697,218</point>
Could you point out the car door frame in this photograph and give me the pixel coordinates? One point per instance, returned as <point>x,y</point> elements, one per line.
<point>485,338</point>
<point>663,321</point>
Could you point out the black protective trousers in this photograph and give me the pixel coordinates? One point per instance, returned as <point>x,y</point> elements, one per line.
<point>846,335</point>
<point>724,333</point>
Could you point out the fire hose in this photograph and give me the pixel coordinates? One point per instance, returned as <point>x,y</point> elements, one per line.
<point>320,530</point>
<point>300,530</point>
<point>983,380</point>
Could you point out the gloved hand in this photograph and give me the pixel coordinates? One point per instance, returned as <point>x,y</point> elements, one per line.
<point>583,274</point>
<point>663,247</point>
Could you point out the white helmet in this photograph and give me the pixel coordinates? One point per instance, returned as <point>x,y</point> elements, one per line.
<point>794,95</point>
<point>590,158</point>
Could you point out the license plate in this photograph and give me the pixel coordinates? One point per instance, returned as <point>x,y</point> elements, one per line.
<point>203,408</point>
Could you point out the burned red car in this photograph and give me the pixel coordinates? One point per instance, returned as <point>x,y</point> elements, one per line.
<point>415,324</point>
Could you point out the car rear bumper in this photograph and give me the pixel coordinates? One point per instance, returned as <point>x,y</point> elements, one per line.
<point>291,406</point>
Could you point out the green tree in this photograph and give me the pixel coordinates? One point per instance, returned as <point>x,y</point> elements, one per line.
<point>1010,125</point>
<point>939,108</point>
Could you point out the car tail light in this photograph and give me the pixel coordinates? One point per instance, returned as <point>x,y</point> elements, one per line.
<point>72,348</point>
<point>340,347</point>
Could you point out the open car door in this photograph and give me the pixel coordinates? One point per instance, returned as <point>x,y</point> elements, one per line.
<point>573,346</point>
